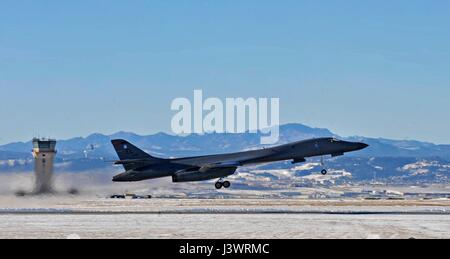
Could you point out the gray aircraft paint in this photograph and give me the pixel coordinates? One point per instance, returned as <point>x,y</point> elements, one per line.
<point>141,166</point>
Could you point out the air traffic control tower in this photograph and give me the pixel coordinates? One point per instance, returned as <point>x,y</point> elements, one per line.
<point>44,151</point>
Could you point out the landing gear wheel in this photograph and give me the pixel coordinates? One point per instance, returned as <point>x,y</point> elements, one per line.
<point>219,185</point>
<point>324,172</point>
<point>226,184</point>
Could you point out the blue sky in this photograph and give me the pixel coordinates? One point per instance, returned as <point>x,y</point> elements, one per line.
<point>372,68</point>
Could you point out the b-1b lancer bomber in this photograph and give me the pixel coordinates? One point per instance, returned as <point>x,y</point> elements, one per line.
<point>141,166</point>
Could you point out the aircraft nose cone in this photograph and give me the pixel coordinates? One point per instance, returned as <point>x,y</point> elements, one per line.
<point>362,146</point>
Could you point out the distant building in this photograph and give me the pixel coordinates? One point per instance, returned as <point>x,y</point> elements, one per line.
<point>44,152</point>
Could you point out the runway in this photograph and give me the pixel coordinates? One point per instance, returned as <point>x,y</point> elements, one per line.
<point>203,219</point>
<point>438,211</point>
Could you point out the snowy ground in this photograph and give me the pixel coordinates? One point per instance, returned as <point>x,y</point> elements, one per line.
<point>224,226</point>
<point>57,217</point>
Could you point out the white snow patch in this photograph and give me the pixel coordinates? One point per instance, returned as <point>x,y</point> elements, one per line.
<point>306,167</point>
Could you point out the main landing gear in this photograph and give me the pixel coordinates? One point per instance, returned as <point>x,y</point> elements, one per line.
<point>225,184</point>
<point>324,171</point>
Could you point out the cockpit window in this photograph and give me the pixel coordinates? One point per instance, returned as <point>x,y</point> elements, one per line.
<point>335,140</point>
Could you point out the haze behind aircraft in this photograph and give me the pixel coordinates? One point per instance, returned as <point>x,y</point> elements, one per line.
<point>141,166</point>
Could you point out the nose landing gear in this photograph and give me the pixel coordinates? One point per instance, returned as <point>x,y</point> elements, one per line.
<point>324,171</point>
<point>225,184</point>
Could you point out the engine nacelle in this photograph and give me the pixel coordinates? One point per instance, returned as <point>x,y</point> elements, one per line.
<point>196,176</point>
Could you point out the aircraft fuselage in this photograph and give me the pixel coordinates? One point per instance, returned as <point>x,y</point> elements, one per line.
<point>219,166</point>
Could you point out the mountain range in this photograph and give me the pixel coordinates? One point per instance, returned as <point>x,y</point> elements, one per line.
<point>384,156</point>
